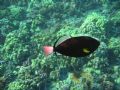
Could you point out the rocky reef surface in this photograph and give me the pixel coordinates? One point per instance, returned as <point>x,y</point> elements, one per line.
<point>27,25</point>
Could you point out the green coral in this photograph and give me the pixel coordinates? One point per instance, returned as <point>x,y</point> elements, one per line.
<point>45,21</point>
<point>117,80</point>
<point>116,72</point>
<point>94,25</point>
<point>115,18</point>
<point>16,12</point>
<point>16,85</point>
<point>3,13</point>
<point>69,31</point>
<point>15,45</point>
<point>47,3</point>
<point>114,45</point>
<point>13,51</point>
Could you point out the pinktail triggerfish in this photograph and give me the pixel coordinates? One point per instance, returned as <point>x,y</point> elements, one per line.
<point>73,46</point>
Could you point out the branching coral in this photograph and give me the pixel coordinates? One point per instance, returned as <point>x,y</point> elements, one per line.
<point>28,27</point>
<point>16,85</point>
<point>94,25</point>
<point>116,18</point>
<point>13,51</point>
<point>114,45</point>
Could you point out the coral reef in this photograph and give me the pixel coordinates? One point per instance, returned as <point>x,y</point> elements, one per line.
<point>26,26</point>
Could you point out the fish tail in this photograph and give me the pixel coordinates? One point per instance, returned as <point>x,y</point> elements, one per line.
<point>48,50</point>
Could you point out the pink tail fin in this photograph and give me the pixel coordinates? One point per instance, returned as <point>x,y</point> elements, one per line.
<point>48,50</point>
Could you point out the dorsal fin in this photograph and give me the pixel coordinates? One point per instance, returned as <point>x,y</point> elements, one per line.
<point>60,40</point>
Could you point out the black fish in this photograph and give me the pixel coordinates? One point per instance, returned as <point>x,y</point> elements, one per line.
<point>73,46</point>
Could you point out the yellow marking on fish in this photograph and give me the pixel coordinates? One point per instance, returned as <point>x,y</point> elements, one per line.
<point>85,50</point>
